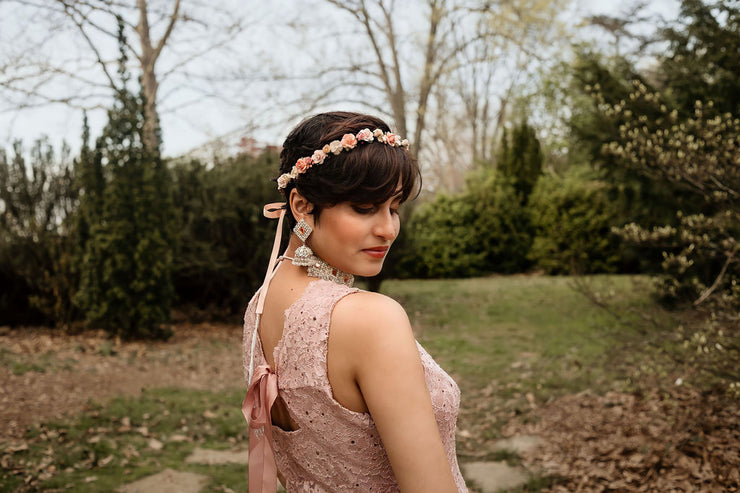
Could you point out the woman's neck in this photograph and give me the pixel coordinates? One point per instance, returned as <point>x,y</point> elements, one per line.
<point>320,269</point>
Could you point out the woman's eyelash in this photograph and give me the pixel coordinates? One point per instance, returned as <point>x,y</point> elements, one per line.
<point>363,210</point>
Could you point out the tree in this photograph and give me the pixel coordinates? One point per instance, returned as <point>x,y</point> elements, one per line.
<point>125,284</point>
<point>701,250</point>
<point>520,159</point>
<point>702,62</point>
<point>71,63</point>
<point>412,71</point>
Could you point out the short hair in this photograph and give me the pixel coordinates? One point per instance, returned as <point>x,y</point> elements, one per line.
<point>368,174</point>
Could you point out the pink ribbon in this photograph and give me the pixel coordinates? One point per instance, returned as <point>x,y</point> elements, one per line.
<point>263,388</point>
<point>256,409</point>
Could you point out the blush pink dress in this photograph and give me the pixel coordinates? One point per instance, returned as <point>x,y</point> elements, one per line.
<point>335,449</point>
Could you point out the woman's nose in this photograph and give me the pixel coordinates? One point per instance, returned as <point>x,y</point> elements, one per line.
<point>386,226</point>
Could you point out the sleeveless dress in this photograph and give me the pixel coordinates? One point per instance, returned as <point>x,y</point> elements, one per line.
<point>335,449</point>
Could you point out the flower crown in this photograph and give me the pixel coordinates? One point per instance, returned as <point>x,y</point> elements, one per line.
<point>348,142</point>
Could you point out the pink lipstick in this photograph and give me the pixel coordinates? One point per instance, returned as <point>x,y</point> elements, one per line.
<point>377,252</point>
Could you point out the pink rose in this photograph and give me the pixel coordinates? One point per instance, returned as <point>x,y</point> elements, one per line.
<point>390,139</point>
<point>318,157</point>
<point>303,164</point>
<point>335,147</point>
<point>365,134</point>
<point>349,141</point>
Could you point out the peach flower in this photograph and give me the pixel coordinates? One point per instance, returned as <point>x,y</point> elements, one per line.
<point>303,164</point>
<point>365,134</point>
<point>349,141</point>
<point>318,157</point>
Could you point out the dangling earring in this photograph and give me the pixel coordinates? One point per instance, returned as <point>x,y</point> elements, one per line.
<point>303,255</point>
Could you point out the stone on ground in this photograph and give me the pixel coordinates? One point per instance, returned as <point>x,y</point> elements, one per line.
<point>491,477</point>
<point>213,457</point>
<point>518,444</point>
<point>167,481</point>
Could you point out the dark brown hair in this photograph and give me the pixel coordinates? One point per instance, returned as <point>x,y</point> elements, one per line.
<point>368,174</point>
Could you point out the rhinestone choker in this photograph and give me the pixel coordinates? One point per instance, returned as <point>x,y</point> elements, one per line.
<point>322,270</point>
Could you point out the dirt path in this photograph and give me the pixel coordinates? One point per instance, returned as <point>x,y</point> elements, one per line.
<point>45,376</point>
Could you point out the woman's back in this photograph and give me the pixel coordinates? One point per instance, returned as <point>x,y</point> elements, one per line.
<point>332,448</point>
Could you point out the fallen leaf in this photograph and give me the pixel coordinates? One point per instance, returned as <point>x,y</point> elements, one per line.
<point>155,444</point>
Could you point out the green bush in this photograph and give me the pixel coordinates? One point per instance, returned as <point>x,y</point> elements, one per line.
<point>37,268</point>
<point>572,219</point>
<point>480,231</point>
<point>224,241</point>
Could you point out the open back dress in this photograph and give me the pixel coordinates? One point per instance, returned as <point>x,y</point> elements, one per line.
<point>334,449</point>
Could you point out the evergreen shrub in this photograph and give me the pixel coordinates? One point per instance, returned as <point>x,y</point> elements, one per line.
<point>572,219</point>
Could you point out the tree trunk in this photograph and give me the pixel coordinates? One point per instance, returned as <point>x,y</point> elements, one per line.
<point>148,59</point>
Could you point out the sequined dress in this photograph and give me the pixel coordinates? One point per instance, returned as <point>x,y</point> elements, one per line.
<point>335,449</point>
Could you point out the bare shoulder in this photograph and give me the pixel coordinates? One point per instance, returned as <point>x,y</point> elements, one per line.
<point>365,323</point>
<point>365,311</point>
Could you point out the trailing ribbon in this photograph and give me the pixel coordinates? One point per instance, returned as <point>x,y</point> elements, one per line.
<point>263,388</point>
<point>256,409</point>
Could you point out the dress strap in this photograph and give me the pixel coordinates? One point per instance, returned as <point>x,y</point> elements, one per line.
<point>275,210</point>
<point>263,388</point>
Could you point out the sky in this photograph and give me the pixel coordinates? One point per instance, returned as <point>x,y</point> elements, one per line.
<point>192,118</point>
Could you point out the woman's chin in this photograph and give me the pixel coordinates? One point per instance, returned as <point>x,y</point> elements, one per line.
<point>369,271</point>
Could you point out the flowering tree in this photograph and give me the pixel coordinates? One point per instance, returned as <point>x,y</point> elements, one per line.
<point>701,252</point>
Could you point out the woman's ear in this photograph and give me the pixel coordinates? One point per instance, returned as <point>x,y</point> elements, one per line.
<point>301,207</point>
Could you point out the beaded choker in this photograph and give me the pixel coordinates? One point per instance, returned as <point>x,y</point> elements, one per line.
<point>318,268</point>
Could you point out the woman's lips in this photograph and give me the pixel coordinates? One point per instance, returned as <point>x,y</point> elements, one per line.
<point>378,252</point>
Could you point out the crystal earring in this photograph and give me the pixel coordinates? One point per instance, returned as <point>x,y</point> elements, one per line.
<point>303,255</point>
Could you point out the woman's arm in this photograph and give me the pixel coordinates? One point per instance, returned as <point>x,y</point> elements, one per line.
<point>374,333</point>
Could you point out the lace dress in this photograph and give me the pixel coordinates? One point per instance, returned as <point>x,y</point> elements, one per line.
<point>335,449</point>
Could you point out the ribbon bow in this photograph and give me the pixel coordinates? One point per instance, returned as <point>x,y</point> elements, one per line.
<point>256,409</point>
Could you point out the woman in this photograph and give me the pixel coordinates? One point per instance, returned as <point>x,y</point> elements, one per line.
<point>341,397</point>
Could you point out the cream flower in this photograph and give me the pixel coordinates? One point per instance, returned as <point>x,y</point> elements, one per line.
<point>335,147</point>
<point>283,181</point>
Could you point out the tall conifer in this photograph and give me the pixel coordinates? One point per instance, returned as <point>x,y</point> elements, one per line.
<point>126,286</point>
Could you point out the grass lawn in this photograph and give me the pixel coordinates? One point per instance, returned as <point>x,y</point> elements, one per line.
<point>530,333</point>
<point>510,343</point>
